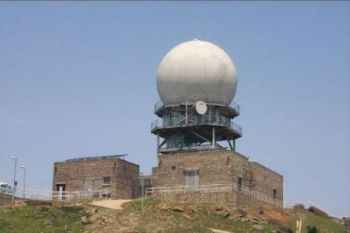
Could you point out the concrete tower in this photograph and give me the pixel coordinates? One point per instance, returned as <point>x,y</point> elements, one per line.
<point>196,83</point>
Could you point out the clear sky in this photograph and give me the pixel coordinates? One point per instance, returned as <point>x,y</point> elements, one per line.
<point>79,79</point>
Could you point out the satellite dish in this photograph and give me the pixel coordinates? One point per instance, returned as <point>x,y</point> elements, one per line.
<point>201,107</point>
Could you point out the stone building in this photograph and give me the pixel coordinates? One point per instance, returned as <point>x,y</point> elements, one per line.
<point>217,176</point>
<point>104,176</point>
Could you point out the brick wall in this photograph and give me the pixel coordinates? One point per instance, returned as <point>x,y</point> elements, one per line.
<point>265,180</point>
<point>215,167</point>
<point>83,175</point>
<point>210,199</point>
<point>220,167</point>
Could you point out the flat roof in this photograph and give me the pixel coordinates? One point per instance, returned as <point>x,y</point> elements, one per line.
<point>96,157</point>
<point>264,167</point>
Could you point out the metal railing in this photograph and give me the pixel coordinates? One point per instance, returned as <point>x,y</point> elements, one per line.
<point>186,189</point>
<point>214,188</point>
<point>192,147</point>
<point>79,195</point>
<point>48,195</point>
<point>159,124</point>
<point>235,106</point>
<point>236,127</point>
<point>160,104</point>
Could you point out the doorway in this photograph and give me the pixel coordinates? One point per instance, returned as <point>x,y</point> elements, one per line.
<point>61,189</point>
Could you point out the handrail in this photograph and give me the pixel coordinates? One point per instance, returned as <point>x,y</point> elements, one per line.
<point>158,124</point>
<point>77,195</point>
<point>46,194</point>
<point>159,104</point>
<point>163,191</point>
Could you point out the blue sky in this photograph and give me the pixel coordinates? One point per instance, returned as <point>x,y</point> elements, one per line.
<point>79,79</point>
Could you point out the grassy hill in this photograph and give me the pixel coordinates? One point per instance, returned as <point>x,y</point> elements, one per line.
<point>38,218</point>
<point>159,217</point>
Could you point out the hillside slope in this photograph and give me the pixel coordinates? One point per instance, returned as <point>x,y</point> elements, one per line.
<point>160,217</point>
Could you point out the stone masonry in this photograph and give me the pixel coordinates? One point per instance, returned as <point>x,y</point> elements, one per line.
<point>249,184</point>
<point>116,177</point>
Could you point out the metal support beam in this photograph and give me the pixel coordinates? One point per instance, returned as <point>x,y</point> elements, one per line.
<point>157,145</point>
<point>186,114</point>
<point>200,136</point>
<point>213,138</point>
<point>230,144</point>
<point>163,142</point>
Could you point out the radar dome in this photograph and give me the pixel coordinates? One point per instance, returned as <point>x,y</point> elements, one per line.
<point>196,70</point>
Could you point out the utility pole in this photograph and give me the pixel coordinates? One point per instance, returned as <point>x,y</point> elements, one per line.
<point>24,180</point>
<point>14,179</point>
<point>142,190</point>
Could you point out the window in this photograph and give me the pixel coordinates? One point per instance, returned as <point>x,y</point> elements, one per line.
<point>240,181</point>
<point>106,181</point>
<point>274,193</point>
<point>173,168</point>
<point>191,177</point>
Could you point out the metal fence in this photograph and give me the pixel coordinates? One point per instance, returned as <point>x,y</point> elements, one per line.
<point>160,104</point>
<point>48,195</point>
<point>214,188</point>
<point>79,195</point>
<point>159,124</point>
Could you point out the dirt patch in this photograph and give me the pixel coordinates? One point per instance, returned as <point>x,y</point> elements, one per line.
<point>276,215</point>
<point>111,204</point>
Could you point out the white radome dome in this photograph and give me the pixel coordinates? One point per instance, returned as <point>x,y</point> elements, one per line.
<point>196,70</point>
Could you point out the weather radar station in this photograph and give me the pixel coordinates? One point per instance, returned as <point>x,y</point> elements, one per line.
<point>196,135</point>
<point>196,82</point>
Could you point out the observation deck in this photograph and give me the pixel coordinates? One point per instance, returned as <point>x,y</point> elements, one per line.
<point>226,129</point>
<point>231,110</point>
<point>182,127</point>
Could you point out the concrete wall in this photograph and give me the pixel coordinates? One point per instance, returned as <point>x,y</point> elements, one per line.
<point>83,175</point>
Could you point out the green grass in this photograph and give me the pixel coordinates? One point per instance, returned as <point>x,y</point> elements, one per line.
<point>323,224</point>
<point>36,219</point>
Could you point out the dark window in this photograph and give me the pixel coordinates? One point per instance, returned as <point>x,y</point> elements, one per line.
<point>108,195</point>
<point>240,181</point>
<point>106,181</point>
<point>191,177</point>
<point>274,193</point>
<point>173,168</point>
<point>125,170</point>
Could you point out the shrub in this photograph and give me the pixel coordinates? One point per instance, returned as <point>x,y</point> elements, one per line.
<point>312,229</point>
